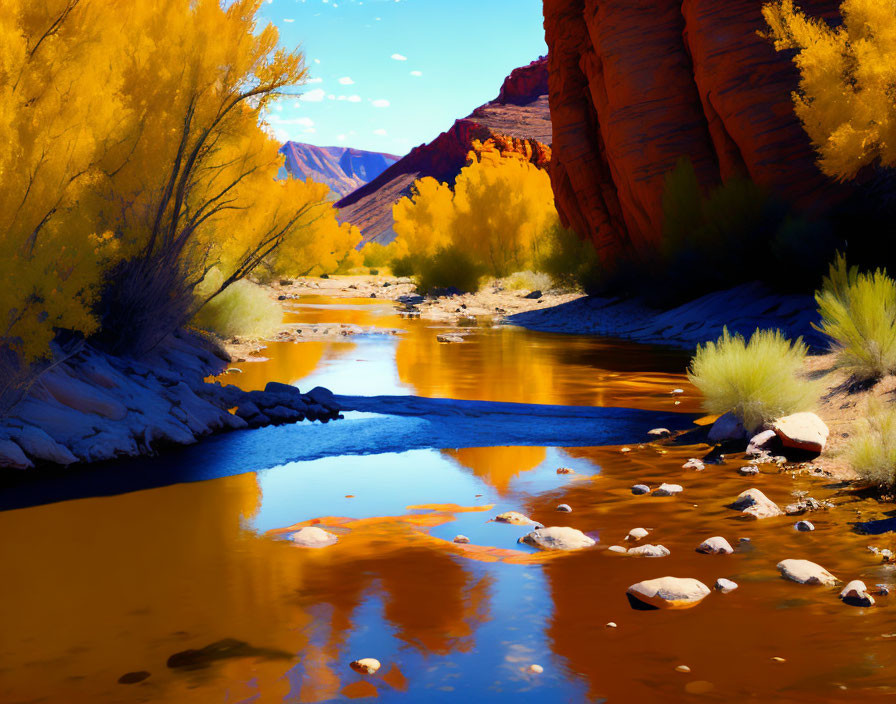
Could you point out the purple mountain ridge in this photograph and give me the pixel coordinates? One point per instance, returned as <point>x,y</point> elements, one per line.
<point>343,169</point>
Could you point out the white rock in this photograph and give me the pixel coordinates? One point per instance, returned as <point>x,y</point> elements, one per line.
<point>727,427</point>
<point>462,539</point>
<point>804,526</point>
<point>536,669</point>
<point>558,538</point>
<point>669,592</point>
<point>748,471</point>
<point>677,391</point>
<point>313,537</point>
<point>802,431</point>
<point>726,586</point>
<point>515,518</point>
<point>639,489</point>
<point>366,666</point>
<point>650,551</point>
<point>761,442</point>
<point>618,549</point>
<point>668,490</point>
<point>716,545</point>
<point>82,397</point>
<point>659,432</point>
<point>855,593</point>
<point>806,572</point>
<point>636,534</point>
<point>754,504</point>
<point>564,508</point>
<point>694,464</point>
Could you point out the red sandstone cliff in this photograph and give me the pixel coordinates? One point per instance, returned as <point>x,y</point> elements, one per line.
<point>518,119</point>
<point>634,85</point>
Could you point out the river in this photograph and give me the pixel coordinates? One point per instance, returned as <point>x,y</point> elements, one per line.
<point>112,574</point>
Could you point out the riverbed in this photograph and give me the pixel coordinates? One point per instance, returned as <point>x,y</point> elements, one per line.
<point>174,578</point>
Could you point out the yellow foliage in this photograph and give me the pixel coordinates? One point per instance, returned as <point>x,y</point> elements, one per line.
<point>498,214</point>
<point>135,160</point>
<point>847,81</point>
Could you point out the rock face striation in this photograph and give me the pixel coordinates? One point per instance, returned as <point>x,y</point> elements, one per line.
<point>518,120</point>
<point>635,85</point>
<point>341,168</point>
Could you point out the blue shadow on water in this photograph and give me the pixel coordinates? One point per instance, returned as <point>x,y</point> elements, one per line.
<point>403,423</point>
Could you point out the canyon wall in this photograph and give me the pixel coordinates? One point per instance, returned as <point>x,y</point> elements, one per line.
<point>634,85</point>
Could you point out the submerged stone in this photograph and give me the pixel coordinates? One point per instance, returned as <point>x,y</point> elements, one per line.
<point>557,538</point>
<point>313,537</point>
<point>667,593</point>
<point>806,572</point>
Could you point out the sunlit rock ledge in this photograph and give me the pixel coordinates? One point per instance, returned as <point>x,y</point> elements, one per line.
<point>93,406</point>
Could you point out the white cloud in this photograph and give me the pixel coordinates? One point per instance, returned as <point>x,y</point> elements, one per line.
<point>380,103</point>
<point>354,98</point>
<point>315,80</point>
<point>288,19</point>
<point>346,81</point>
<point>399,57</point>
<point>417,73</point>
<point>317,61</point>
<point>340,137</point>
<point>313,96</point>
<point>380,132</point>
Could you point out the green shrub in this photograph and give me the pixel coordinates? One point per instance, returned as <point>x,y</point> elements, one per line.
<point>243,309</point>
<point>376,256</point>
<point>858,312</point>
<point>758,380</point>
<point>450,267</point>
<point>403,266</point>
<point>569,260</point>
<point>528,281</point>
<point>872,448</point>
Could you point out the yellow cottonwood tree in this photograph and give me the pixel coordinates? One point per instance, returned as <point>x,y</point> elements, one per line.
<point>847,81</point>
<point>498,216</point>
<point>59,117</point>
<point>193,184</point>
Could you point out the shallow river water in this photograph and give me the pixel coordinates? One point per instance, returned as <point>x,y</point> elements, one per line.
<point>108,577</point>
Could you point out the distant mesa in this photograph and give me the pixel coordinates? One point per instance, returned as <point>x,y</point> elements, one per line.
<point>343,169</point>
<point>518,120</point>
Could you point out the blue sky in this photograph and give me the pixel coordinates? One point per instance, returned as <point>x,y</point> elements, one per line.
<point>387,75</point>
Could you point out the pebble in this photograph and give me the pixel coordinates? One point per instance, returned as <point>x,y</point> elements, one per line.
<point>639,489</point>
<point>611,624</point>
<point>636,534</point>
<point>564,508</point>
<point>744,540</point>
<point>677,391</point>
<point>716,545</point>
<point>682,668</point>
<point>659,432</point>
<point>726,586</point>
<point>777,659</point>
<point>694,464</point>
<point>668,489</point>
<point>747,471</point>
<point>803,526</point>
<point>856,594</point>
<point>625,449</point>
<point>536,669</point>
<point>515,518</point>
<point>461,539</point>
<point>565,470</point>
<point>313,537</point>
<point>650,551</point>
<point>366,665</point>
<point>617,548</point>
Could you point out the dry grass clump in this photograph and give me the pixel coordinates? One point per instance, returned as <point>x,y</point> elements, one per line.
<point>858,312</point>
<point>872,447</point>
<point>758,380</point>
<point>528,281</point>
<point>243,309</point>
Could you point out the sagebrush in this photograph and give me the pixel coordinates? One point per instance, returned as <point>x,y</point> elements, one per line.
<point>243,309</point>
<point>872,447</point>
<point>858,313</point>
<point>757,380</point>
